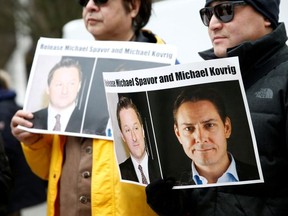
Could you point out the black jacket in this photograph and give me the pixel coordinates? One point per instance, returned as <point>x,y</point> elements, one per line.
<point>27,189</point>
<point>128,172</point>
<point>5,179</point>
<point>264,68</point>
<point>40,120</point>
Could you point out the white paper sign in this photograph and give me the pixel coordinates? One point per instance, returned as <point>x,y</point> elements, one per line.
<point>80,104</point>
<point>169,150</point>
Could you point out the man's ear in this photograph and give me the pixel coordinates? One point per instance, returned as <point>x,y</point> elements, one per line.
<point>124,140</point>
<point>134,8</point>
<point>267,23</point>
<point>176,131</point>
<point>143,131</point>
<point>47,90</point>
<point>228,127</point>
<point>79,86</point>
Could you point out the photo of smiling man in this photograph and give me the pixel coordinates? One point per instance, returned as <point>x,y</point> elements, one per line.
<point>139,167</point>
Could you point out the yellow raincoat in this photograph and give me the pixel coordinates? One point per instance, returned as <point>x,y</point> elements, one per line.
<point>109,196</point>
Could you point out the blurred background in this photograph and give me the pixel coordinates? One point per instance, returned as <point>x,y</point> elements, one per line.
<point>22,22</point>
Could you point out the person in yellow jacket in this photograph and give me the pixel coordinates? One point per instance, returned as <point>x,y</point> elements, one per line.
<point>82,172</point>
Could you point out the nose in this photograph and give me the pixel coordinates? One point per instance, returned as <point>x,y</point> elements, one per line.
<point>199,135</point>
<point>91,5</point>
<point>64,89</point>
<point>214,23</point>
<point>90,2</point>
<point>133,135</point>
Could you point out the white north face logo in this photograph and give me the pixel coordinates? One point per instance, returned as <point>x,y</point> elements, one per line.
<point>264,93</point>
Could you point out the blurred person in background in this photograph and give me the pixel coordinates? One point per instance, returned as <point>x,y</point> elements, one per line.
<point>5,179</point>
<point>27,189</point>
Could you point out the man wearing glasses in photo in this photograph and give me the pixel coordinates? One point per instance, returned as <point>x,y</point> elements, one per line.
<point>250,30</point>
<point>82,172</point>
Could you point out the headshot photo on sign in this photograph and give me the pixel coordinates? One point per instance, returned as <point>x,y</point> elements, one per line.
<point>139,162</point>
<point>59,90</point>
<point>66,94</point>
<point>200,135</point>
<point>203,135</point>
<point>97,104</point>
<point>203,128</point>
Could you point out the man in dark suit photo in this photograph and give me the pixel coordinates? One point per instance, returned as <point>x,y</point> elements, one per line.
<point>203,127</point>
<point>63,85</point>
<point>139,167</point>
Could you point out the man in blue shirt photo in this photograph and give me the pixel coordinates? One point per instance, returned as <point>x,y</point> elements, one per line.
<point>203,127</point>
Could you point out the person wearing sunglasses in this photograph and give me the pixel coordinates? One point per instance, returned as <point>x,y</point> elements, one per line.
<point>251,31</point>
<point>82,172</point>
<point>118,20</point>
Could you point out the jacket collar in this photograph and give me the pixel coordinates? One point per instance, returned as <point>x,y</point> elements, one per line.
<point>7,94</point>
<point>145,35</point>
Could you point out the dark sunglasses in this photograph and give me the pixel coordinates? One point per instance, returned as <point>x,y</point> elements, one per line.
<point>223,12</point>
<point>83,3</point>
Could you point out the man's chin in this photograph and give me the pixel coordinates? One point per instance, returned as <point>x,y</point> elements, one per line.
<point>220,53</point>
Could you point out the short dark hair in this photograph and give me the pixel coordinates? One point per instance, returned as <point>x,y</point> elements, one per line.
<point>126,103</point>
<point>143,15</point>
<point>65,62</point>
<point>199,94</point>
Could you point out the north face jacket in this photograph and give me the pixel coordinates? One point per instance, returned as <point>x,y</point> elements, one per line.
<point>264,69</point>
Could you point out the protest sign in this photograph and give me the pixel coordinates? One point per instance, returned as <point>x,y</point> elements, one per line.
<point>77,95</point>
<point>170,143</point>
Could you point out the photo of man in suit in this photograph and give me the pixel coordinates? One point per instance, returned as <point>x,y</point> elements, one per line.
<point>139,167</point>
<point>203,128</point>
<point>63,85</point>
